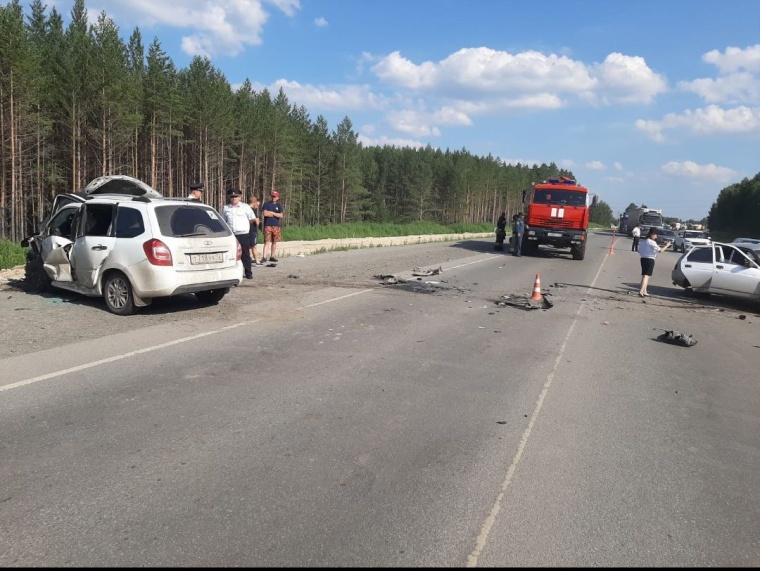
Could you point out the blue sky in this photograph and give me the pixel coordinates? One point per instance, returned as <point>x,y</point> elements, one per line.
<point>654,102</point>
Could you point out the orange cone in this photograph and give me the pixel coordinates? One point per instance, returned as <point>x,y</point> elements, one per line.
<point>536,289</point>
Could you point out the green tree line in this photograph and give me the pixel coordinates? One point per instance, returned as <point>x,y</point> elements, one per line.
<point>78,102</point>
<point>736,211</point>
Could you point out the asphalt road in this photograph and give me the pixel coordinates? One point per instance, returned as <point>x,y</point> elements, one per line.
<point>417,424</point>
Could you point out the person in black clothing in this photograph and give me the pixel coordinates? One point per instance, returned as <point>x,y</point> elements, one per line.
<point>501,231</point>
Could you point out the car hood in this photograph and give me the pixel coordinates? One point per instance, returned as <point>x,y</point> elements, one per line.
<point>120,184</point>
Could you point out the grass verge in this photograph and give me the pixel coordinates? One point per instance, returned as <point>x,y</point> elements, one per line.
<point>11,254</point>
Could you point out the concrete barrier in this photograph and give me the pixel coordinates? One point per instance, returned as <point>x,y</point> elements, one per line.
<point>295,247</point>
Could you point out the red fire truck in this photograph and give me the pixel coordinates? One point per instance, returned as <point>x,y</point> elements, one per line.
<point>557,212</point>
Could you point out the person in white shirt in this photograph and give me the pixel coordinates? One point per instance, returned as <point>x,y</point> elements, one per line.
<point>648,251</point>
<point>196,191</point>
<point>636,232</point>
<point>238,216</point>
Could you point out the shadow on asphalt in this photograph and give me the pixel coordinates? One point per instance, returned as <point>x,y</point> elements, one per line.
<point>160,305</point>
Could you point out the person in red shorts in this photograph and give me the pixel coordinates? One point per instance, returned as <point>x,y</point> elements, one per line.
<point>273,213</point>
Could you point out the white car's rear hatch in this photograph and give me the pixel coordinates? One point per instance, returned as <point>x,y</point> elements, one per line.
<point>197,236</point>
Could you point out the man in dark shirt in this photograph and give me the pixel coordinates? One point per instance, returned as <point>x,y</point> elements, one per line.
<point>273,213</point>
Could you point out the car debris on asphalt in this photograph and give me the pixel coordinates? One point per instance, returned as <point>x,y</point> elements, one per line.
<point>524,302</point>
<point>675,338</point>
<point>419,272</point>
<point>389,279</point>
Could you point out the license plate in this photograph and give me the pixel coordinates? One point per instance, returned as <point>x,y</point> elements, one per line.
<point>554,234</point>
<point>206,258</point>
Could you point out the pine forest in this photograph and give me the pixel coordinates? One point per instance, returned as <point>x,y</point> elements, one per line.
<point>77,102</point>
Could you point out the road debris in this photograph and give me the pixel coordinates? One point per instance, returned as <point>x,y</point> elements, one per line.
<point>675,338</point>
<point>389,279</point>
<point>419,272</point>
<point>523,302</point>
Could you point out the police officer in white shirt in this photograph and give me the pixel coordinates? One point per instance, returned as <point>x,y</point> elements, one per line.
<point>196,191</point>
<point>238,216</point>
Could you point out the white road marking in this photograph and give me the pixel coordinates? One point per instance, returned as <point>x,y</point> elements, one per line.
<point>152,348</point>
<point>485,530</point>
<point>118,357</point>
<point>175,342</point>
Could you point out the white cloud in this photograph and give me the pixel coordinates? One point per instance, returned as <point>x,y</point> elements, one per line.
<point>595,166</point>
<point>413,123</point>
<point>320,22</point>
<point>525,79</point>
<point>333,98</point>
<point>691,169</point>
<point>738,80</point>
<point>218,27</point>
<point>615,179</point>
<point>628,79</point>
<point>705,121</point>
<point>735,59</point>
<point>617,166</point>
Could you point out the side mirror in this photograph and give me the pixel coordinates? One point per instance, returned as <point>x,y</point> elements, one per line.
<point>595,200</point>
<point>25,243</point>
<point>524,193</point>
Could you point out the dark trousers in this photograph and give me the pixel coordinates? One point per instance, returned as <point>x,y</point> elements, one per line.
<point>245,244</point>
<point>635,245</point>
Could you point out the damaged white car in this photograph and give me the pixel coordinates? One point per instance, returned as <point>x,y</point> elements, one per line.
<point>724,269</point>
<point>121,240</point>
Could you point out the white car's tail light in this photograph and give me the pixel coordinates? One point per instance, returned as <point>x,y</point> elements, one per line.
<point>239,254</point>
<point>157,252</point>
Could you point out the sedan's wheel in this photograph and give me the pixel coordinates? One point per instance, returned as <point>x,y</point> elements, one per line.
<point>211,296</point>
<point>117,292</point>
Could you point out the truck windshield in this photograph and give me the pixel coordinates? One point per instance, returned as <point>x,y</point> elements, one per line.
<point>651,220</point>
<point>551,196</point>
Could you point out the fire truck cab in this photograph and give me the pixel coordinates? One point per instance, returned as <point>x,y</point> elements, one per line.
<point>557,215</point>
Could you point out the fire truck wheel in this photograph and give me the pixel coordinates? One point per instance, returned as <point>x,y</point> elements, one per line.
<point>579,252</point>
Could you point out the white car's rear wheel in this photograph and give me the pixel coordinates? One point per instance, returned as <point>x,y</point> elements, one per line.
<point>117,292</point>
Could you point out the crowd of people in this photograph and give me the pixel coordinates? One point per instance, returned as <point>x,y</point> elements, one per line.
<point>245,220</point>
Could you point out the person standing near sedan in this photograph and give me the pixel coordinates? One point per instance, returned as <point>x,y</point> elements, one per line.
<point>636,233</point>
<point>253,202</point>
<point>273,213</point>
<point>648,251</point>
<point>238,216</point>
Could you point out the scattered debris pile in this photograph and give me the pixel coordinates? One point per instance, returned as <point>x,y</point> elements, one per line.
<point>676,338</point>
<point>524,302</point>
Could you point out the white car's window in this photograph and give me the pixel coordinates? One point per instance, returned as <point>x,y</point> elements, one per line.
<point>703,255</point>
<point>129,222</point>
<point>98,219</point>
<point>735,256</point>
<point>179,220</point>
<point>60,225</point>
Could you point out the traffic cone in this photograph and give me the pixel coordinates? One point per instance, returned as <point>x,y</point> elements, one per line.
<point>536,289</point>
